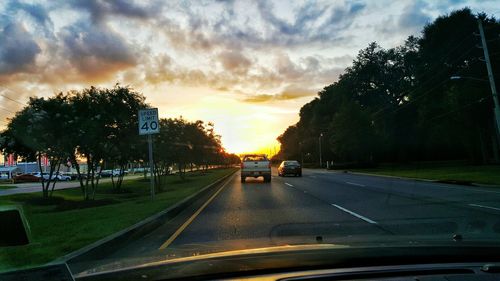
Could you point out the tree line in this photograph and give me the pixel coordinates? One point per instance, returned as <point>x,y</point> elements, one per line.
<point>99,127</point>
<point>400,104</point>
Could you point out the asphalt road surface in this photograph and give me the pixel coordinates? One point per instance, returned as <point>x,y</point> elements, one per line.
<point>325,206</point>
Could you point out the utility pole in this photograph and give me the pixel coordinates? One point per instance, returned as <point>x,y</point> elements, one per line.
<point>320,151</point>
<point>492,84</point>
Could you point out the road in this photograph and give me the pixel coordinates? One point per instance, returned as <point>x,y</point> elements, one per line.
<point>327,206</point>
<point>31,187</point>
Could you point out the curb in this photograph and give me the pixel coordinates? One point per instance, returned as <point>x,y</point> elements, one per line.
<point>473,184</point>
<point>110,242</point>
<point>387,176</point>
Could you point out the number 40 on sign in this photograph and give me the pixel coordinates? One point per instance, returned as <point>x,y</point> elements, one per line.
<point>148,121</point>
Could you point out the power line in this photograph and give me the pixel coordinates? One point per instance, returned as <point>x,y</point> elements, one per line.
<point>9,98</point>
<point>426,92</point>
<point>457,109</point>
<point>3,108</point>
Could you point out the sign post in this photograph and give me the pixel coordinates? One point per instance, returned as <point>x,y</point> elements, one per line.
<point>148,125</point>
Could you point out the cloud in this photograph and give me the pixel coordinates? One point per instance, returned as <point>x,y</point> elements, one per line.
<point>36,11</point>
<point>413,17</point>
<point>234,61</point>
<point>18,49</point>
<point>100,10</point>
<point>95,51</point>
<point>409,22</point>
<point>313,23</point>
<point>289,93</point>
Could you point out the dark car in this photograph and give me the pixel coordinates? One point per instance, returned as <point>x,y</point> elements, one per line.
<point>26,178</point>
<point>290,167</point>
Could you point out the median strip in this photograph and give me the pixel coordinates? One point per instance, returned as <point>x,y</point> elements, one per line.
<point>354,214</point>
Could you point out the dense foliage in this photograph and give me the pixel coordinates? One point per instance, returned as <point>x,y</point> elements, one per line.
<point>400,104</point>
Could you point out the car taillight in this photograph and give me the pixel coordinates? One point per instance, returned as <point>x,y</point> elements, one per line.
<point>241,165</point>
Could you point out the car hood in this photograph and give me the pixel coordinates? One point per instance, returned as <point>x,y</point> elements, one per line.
<point>210,252</point>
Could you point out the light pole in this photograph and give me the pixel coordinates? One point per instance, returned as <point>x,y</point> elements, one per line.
<point>320,151</point>
<point>301,154</point>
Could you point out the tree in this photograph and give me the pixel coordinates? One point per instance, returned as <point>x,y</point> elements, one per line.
<point>402,100</point>
<point>40,129</point>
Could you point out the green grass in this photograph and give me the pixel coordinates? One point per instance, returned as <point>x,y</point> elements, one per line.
<point>467,173</point>
<point>58,227</point>
<point>7,186</point>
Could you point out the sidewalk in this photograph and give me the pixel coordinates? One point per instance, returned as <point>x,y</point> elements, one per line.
<point>37,187</point>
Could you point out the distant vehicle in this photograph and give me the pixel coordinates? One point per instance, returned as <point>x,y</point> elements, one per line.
<point>44,175</point>
<point>26,178</point>
<point>106,173</point>
<point>73,176</point>
<point>117,172</point>
<point>63,177</point>
<point>290,167</point>
<point>255,165</point>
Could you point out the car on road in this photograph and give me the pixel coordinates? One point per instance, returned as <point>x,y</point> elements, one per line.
<point>118,172</point>
<point>26,178</point>
<point>106,173</point>
<point>255,165</point>
<point>63,177</point>
<point>44,175</point>
<point>290,167</point>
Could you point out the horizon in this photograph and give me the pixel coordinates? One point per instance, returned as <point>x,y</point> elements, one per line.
<point>248,67</point>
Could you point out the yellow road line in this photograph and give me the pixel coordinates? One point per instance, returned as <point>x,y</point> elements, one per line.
<point>188,222</point>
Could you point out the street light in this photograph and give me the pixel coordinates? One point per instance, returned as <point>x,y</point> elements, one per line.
<point>320,151</point>
<point>457,77</point>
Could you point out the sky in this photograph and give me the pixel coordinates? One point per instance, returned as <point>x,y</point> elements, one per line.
<point>246,66</point>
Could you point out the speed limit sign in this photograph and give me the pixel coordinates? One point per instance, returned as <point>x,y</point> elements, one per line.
<point>148,121</point>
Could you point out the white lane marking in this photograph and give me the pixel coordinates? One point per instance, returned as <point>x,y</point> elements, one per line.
<point>356,184</point>
<point>288,184</point>
<point>354,214</point>
<point>486,207</point>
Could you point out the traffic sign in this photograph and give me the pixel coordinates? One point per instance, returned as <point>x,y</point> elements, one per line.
<point>148,121</point>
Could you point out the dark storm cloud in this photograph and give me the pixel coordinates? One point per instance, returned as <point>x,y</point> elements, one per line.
<point>18,50</point>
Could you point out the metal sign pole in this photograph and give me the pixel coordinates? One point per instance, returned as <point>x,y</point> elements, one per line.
<point>152,183</point>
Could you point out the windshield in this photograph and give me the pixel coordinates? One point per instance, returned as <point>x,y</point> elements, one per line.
<point>145,130</point>
<point>254,158</point>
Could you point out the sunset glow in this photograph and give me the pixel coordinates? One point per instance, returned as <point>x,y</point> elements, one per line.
<point>246,66</point>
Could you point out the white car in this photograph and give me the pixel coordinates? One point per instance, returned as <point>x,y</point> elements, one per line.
<point>62,177</point>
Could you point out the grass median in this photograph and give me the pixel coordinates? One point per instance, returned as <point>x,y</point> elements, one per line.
<point>65,223</point>
<point>485,174</point>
